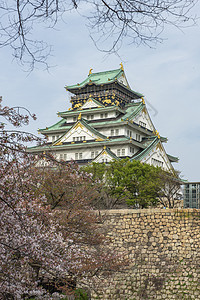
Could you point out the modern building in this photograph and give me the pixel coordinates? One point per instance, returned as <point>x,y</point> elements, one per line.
<point>191,195</point>
<point>107,120</point>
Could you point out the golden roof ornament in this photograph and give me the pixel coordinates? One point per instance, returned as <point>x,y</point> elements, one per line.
<point>122,67</point>
<point>44,153</point>
<point>90,71</point>
<point>157,134</point>
<point>143,101</point>
<point>104,147</point>
<point>79,116</point>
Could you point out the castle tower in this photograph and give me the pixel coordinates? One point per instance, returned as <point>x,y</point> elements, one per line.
<point>107,120</point>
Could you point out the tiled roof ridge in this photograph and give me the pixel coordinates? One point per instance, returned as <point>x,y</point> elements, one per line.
<point>144,152</point>
<point>172,158</point>
<point>47,128</point>
<point>90,76</point>
<point>95,101</point>
<point>89,127</point>
<point>135,112</point>
<point>107,149</point>
<point>109,71</point>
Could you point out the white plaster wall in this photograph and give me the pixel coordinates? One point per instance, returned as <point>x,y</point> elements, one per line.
<point>160,156</point>
<point>96,116</point>
<point>70,119</point>
<point>104,158</point>
<point>71,153</point>
<point>50,137</point>
<point>107,130</point>
<point>115,150</point>
<point>143,117</point>
<point>79,132</point>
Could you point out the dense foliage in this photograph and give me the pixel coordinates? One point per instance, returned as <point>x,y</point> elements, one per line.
<point>133,183</point>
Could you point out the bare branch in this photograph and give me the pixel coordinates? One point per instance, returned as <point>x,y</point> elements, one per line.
<point>109,23</point>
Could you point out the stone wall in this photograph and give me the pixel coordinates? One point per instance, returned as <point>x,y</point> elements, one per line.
<point>163,246</point>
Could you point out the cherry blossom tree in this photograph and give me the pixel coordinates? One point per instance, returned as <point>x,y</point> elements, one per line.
<point>49,235</point>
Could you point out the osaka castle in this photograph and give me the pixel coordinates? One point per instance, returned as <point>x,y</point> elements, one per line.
<point>107,120</point>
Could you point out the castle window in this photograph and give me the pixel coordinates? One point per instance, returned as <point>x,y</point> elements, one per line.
<point>92,117</point>
<point>112,132</point>
<point>80,155</point>
<point>142,124</point>
<point>137,137</point>
<point>156,162</point>
<point>118,152</point>
<point>76,155</point>
<point>128,132</point>
<point>74,119</point>
<point>96,153</point>
<point>92,154</point>
<point>88,117</point>
<point>131,149</point>
<point>123,152</point>
<point>53,138</point>
<point>103,115</point>
<point>81,138</point>
<point>116,131</point>
<point>65,156</point>
<point>61,156</point>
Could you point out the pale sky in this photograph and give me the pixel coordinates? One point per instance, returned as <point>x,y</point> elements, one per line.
<point>168,75</point>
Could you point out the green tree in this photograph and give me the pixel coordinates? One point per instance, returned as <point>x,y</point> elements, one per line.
<point>97,170</point>
<point>104,198</point>
<point>136,181</point>
<point>123,181</point>
<point>169,194</point>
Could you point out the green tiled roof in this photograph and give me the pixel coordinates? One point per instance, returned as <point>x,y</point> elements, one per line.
<point>150,145</point>
<point>89,127</point>
<point>109,153</point>
<point>53,127</point>
<point>133,110</point>
<point>102,78</point>
<point>98,78</point>
<point>93,143</point>
<point>129,112</point>
<point>90,110</point>
<point>172,158</point>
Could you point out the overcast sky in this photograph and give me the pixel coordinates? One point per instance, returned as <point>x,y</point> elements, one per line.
<point>168,76</point>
